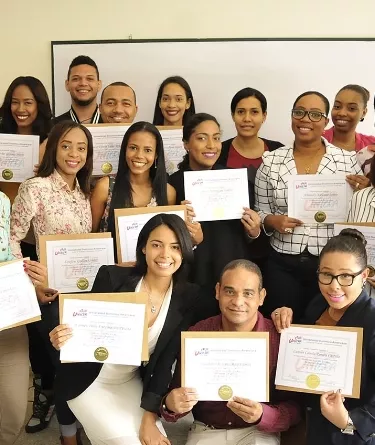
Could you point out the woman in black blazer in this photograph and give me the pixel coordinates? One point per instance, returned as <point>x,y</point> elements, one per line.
<point>218,242</point>
<point>342,275</point>
<point>164,251</point>
<point>249,112</point>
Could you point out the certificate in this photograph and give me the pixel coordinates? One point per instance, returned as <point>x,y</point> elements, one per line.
<point>319,359</point>
<point>107,141</point>
<point>174,150</point>
<point>18,301</point>
<point>74,260</point>
<point>368,230</point>
<point>217,194</point>
<point>129,222</point>
<point>18,155</point>
<point>110,328</point>
<point>220,365</point>
<point>319,198</point>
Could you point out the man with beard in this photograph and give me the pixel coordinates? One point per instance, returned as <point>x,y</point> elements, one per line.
<point>83,84</point>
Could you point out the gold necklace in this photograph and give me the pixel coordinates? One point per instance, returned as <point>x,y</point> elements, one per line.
<point>148,291</point>
<point>308,167</point>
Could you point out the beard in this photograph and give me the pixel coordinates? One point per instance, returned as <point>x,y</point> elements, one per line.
<point>83,103</point>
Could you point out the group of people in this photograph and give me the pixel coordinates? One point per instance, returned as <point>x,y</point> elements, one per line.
<point>215,275</point>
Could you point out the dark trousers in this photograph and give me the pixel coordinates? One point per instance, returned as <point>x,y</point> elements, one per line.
<point>50,319</point>
<point>39,358</point>
<point>291,281</point>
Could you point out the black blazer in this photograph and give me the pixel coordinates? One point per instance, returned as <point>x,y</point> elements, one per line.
<point>74,378</point>
<point>362,411</point>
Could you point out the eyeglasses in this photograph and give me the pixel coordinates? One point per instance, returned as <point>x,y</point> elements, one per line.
<point>344,279</point>
<point>314,116</point>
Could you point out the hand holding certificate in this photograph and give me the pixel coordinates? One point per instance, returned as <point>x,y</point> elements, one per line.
<point>174,150</point>
<point>109,328</point>
<point>220,365</point>
<point>319,359</point>
<point>319,198</point>
<point>217,194</point>
<point>18,301</point>
<point>73,260</point>
<point>18,155</point>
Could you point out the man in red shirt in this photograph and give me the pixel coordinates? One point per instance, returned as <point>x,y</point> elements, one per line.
<point>240,421</point>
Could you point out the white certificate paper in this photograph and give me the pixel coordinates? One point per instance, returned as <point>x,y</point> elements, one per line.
<point>18,155</point>
<point>103,331</point>
<point>18,301</point>
<point>318,199</point>
<point>128,230</point>
<point>174,150</point>
<point>217,194</point>
<point>73,264</point>
<point>220,368</point>
<point>368,232</point>
<point>107,141</point>
<point>316,360</point>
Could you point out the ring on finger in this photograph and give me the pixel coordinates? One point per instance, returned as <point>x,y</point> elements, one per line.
<point>276,313</point>
<point>357,185</point>
<point>288,230</point>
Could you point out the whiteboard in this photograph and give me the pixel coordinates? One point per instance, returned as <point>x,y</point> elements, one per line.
<point>217,69</point>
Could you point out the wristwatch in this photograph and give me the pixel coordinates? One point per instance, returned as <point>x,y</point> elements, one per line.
<point>349,429</point>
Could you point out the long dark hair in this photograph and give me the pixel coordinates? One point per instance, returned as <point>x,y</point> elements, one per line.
<point>158,115</point>
<point>188,130</point>
<point>178,226</point>
<point>122,191</point>
<point>48,163</point>
<point>43,121</point>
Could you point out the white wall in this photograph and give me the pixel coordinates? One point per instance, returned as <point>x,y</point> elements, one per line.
<point>27,27</point>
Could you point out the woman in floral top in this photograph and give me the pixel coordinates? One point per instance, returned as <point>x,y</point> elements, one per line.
<point>14,353</point>
<point>54,202</point>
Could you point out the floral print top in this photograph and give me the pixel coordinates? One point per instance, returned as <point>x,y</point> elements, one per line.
<point>5,252</point>
<point>51,208</point>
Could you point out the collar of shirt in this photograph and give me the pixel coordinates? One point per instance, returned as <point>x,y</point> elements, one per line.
<point>59,184</point>
<point>260,325</point>
<point>93,120</point>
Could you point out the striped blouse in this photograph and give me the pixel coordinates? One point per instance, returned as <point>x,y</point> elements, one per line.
<point>362,206</point>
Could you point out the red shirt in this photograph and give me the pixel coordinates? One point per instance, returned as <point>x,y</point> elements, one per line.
<point>361,140</point>
<point>236,160</point>
<point>277,416</point>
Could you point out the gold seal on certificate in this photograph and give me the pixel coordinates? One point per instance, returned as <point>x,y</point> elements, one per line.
<point>7,174</point>
<point>312,381</point>
<point>101,354</point>
<point>107,168</point>
<point>225,392</point>
<point>83,283</point>
<point>320,217</point>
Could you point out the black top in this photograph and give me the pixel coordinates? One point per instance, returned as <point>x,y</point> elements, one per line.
<point>223,242</point>
<point>72,116</point>
<point>362,411</point>
<point>74,378</point>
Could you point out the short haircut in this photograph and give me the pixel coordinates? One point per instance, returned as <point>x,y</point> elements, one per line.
<point>314,93</point>
<point>243,264</point>
<point>118,84</point>
<point>48,164</point>
<point>348,241</point>
<point>82,60</point>
<point>362,91</point>
<point>244,94</point>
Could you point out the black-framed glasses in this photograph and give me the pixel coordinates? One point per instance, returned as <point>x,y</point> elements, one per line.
<point>314,116</point>
<point>344,279</point>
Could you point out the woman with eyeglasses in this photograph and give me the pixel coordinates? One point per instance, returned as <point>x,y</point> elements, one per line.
<point>343,301</point>
<point>295,247</point>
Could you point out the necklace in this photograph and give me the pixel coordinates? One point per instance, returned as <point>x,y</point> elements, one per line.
<point>153,307</point>
<point>312,159</point>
